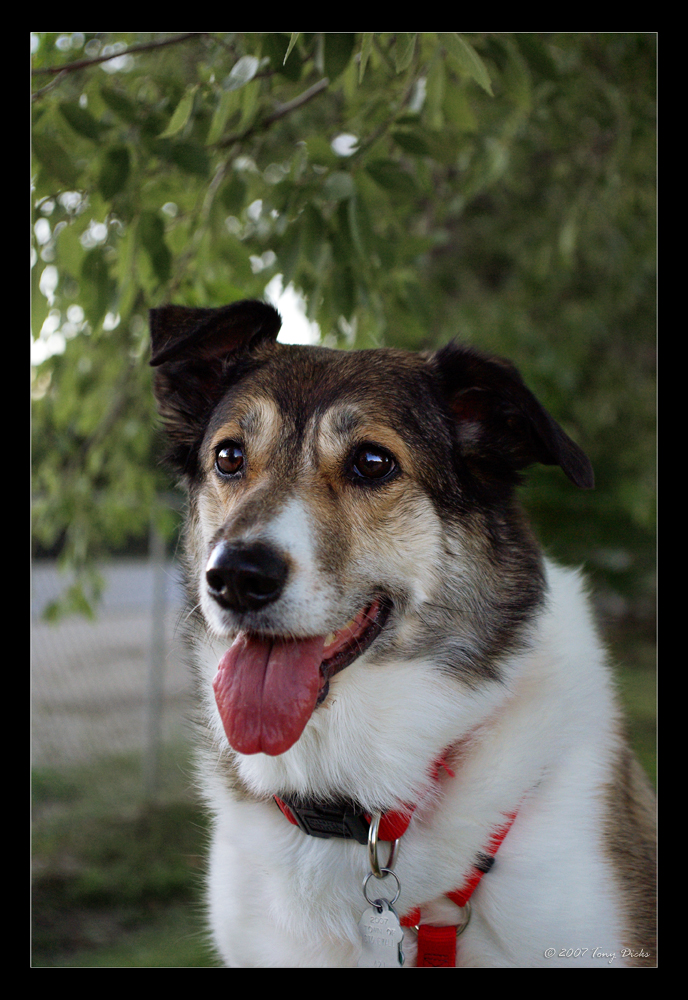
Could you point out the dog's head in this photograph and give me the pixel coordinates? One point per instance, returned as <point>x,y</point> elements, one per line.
<point>330,491</point>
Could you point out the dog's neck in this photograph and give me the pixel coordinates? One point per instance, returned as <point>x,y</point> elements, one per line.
<point>349,820</point>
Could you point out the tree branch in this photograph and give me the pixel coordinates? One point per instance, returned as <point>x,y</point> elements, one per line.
<point>83,63</point>
<point>280,112</point>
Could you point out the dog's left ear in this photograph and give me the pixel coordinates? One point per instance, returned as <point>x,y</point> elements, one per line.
<point>206,334</point>
<point>499,420</point>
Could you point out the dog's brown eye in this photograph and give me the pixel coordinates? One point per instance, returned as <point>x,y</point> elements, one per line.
<point>229,458</point>
<point>373,463</point>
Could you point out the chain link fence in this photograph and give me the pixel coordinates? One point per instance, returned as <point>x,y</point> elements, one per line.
<point>118,684</point>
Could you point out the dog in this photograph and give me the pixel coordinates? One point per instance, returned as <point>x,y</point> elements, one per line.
<point>409,741</point>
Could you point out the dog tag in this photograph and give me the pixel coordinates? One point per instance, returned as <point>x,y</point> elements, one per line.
<point>382,937</point>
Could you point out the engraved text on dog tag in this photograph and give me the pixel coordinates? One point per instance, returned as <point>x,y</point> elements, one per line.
<point>382,937</point>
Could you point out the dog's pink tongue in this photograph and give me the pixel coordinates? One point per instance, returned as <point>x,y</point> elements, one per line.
<point>266,691</point>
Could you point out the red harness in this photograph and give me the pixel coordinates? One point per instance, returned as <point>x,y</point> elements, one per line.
<point>436,945</point>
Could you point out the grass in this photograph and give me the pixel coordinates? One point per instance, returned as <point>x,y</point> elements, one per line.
<point>164,941</point>
<point>116,881</point>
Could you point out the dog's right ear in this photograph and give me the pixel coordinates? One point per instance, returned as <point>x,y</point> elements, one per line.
<point>194,351</point>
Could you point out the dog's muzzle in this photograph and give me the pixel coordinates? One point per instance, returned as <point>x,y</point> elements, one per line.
<point>268,685</point>
<point>245,576</point>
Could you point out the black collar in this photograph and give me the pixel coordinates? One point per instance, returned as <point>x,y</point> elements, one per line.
<point>326,819</point>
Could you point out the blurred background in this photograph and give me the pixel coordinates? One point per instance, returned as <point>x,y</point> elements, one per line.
<point>390,189</point>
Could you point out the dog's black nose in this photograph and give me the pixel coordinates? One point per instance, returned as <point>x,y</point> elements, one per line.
<point>245,576</point>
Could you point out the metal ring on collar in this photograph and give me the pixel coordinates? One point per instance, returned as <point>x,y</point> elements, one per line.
<point>460,928</point>
<point>376,868</point>
<point>374,902</point>
<point>467,918</point>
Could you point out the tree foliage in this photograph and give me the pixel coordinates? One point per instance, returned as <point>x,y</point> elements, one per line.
<point>413,186</point>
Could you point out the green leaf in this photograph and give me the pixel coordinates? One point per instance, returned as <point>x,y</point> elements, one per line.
<point>69,249</point>
<point>114,172</point>
<point>360,227</point>
<point>98,288</point>
<point>320,151</point>
<point>390,176</point>
<point>338,186</point>
<point>55,160</point>
<point>234,253</point>
<point>242,73</point>
<point>122,105</point>
<point>536,54</point>
<point>405,47</point>
<point>467,58</point>
<point>411,142</point>
<point>152,235</point>
<point>313,235</point>
<point>339,48</point>
<point>233,193</point>
<point>292,43</point>
<point>191,158</point>
<point>344,248</point>
<point>458,110</point>
<point>433,115</point>
<point>516,80</point>
<point>249,105</point>
<point>366,49</point>
<point>72,602</point>
<point>181,114</point>
<point>226,106</point>
<point>82,121</point>
<point>289,252</point>
<point>275,47</point>
<point>343,290</point>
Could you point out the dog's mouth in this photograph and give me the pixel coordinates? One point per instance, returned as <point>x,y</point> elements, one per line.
<point>267,687</point>
<point>350,642</point>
